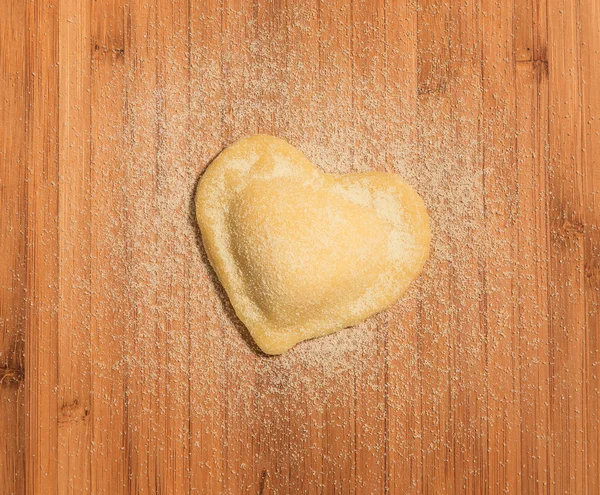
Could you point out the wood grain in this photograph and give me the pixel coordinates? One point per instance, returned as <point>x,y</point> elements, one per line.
<point>566,224</point>
<point>111,307</point>
<point>74,250</point>
<point>43,246</point>
<point>13,239</point>
<point>500,189</point>
<point>123,368</point>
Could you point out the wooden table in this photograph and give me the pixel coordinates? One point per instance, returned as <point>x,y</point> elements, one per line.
<point>122,366</point>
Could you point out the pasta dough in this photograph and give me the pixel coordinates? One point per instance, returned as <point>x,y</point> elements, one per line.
<point>302,253</point>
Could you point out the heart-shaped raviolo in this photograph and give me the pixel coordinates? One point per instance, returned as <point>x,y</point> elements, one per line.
<point>302,253</point>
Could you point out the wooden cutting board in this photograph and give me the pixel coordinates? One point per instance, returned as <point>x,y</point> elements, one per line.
<point>123,368</point>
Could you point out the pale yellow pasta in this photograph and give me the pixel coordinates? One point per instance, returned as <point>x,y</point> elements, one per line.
<point>302,253</point>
